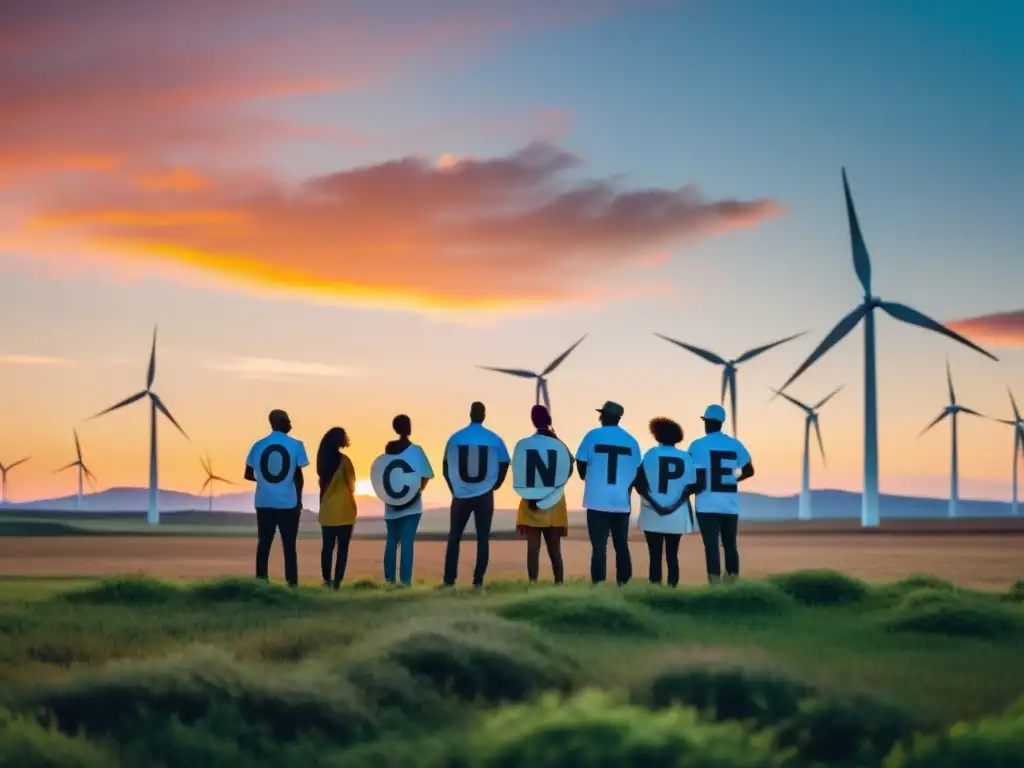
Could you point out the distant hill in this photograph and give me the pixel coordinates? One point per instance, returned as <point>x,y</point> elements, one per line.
<point>828,505</point>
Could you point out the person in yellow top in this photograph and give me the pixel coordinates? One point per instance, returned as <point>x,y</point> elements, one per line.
<point>550,524</point>
<point>337,503</point>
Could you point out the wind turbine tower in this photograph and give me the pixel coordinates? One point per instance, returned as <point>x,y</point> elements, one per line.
<point>1018,450</point>
<point>811,414</point>
<point>541,378</point>
<point>155,405</point>
<point>83,471</point>
<point>952,410</point>
<point>211,478</point>
<point>4,469</point>
<point>869,513</point>
<point>729,366</point>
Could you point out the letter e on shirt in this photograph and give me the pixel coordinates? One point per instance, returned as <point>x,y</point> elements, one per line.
<point>721,457</point>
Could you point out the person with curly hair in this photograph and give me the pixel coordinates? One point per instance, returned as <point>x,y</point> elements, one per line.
<point>665,480</point>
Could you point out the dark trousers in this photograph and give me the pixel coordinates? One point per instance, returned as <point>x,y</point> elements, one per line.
<point>712,528</point>
<point>340,535</point>
<point>553,540</point>
<point>669,544</point>
<point>481,509</point>
<point>599,526</point>
<point>268,522</point>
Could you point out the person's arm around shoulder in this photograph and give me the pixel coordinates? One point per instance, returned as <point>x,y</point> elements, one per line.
<point>747,465</point>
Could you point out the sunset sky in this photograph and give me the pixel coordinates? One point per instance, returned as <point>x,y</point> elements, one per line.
<point>341,208</point>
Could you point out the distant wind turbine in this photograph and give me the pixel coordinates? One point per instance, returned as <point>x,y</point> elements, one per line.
<point>211,478</point>
<point>952,410</point>
<point>4,469</point>
<point>729,366</point>
<point>542,381</point>
<point>83,471</point>
<point>1018,448</point>
<point>811,412</point>
<point>155,404</point>
<point>869,512</point>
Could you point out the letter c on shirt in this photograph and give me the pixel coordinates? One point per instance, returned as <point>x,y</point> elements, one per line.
<point>391,467</point>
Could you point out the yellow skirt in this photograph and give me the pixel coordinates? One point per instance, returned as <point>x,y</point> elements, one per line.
<point>555,517</point>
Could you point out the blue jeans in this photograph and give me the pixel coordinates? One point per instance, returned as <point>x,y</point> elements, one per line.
<point>401,532</point>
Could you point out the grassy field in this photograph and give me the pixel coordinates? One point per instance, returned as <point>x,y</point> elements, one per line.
<point>800,669</point>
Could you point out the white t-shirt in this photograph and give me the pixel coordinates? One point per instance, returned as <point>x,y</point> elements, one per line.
<point>668,470</point>
<point>612,456</point>
<point>274,460</point>
<point>722,457</point>
<point>417,459</point>
<point>473,455</point>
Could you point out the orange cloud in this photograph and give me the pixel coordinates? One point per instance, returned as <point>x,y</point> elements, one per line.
<point>478,232</point>
<point>1002,329</point>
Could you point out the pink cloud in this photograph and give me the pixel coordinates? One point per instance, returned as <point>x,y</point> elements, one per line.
<point>1002,329</point>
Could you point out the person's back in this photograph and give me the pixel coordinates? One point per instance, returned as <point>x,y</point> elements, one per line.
<point>612,457</point>
<point>274,460</point>
<point>722,457</point>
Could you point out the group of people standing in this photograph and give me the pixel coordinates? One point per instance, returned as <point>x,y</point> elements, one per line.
<point>669,481</point>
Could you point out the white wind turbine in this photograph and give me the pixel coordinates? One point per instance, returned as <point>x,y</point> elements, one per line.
<point>869,513</point>
<point>4,469</point>
<point>155,404</point>
<point>811,413</point>
<point>211,478</point>
<point>1018,448</point>
<point>83,471</point>
<point>542,381</point>
<point>952,410</point>
<point>729,366</point>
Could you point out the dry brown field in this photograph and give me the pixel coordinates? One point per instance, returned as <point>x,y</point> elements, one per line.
<point>982,554</point>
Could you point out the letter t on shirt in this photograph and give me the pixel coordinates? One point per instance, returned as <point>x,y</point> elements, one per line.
<point>613,457</point>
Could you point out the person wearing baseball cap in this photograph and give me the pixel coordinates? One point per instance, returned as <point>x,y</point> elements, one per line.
<point>718,458</point>
<point>607,461</point>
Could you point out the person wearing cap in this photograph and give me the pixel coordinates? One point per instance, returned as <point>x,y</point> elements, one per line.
<point>719,457</point>
<point>552,524</point>
<point>475,465</point>
<point>607,461</point>
<point>275,464</point>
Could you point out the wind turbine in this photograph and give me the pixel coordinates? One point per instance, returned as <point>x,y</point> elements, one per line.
<point>869,513</point>
<point>542,381</point>
<point>952,410</point>
<point>811,412</point>
<point>155,404</point>
<point>729,366</point>
<point>83,471</point>
<point>4,469</point>
<point>1018,447</point>
<point>211,478</point>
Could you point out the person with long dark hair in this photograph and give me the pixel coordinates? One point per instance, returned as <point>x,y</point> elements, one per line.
<point>551,524</point>
<point>337,503</point>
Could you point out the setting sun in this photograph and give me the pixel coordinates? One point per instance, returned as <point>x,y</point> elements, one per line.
<point>364,488</point>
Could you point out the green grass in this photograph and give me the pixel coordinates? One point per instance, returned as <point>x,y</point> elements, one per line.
<point>812,668</point>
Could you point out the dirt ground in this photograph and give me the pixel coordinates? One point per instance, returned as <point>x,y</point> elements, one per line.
<point>979,557</point>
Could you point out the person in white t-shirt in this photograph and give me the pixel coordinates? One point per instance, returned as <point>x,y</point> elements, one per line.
<point>475,465</point>
<point>719,457</point>
<point>666,479</point>
<point>607,461</point>
<point>402,521</point>
<point>275,464</point>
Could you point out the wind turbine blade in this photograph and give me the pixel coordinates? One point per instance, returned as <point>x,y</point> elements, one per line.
<point>711,357</point>
<point>69,466</point>
<point>725,384</point>
<point>905,314</point>
<point>970,411</point>
<point>752,353</point>
<point>205,463</point>
<point>949,381</point>
<point>829,396</point>
<point>151,374</point>
<point>1016,412</point>
<point>821,444</point>
<point>220,479</point>
<point>861,259</point>
<point>206,484</point>
<point>793,400</point>
<point>19,461</point>
<point>943,415</point>
<point>732,397</point>
<point>163,409</point>
<point>511,371</point>
<point>78,446</point>
<point>88,473</point>
<point>558,360</point>
<point>836,335</point>
<point>545,394</point>
<point>122,404</point>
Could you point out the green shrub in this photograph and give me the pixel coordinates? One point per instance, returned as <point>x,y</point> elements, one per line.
<point>254,591</point>
<point>1016,593</point>
<point>724,693</point>
<point>742,597</point>
<point>576,612</point>
<point>996,742</point>
<point>592,730</point>
<point>26,744</point>
<point>821,587</point>
<point>944,613</point>
<point>137,591</point>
